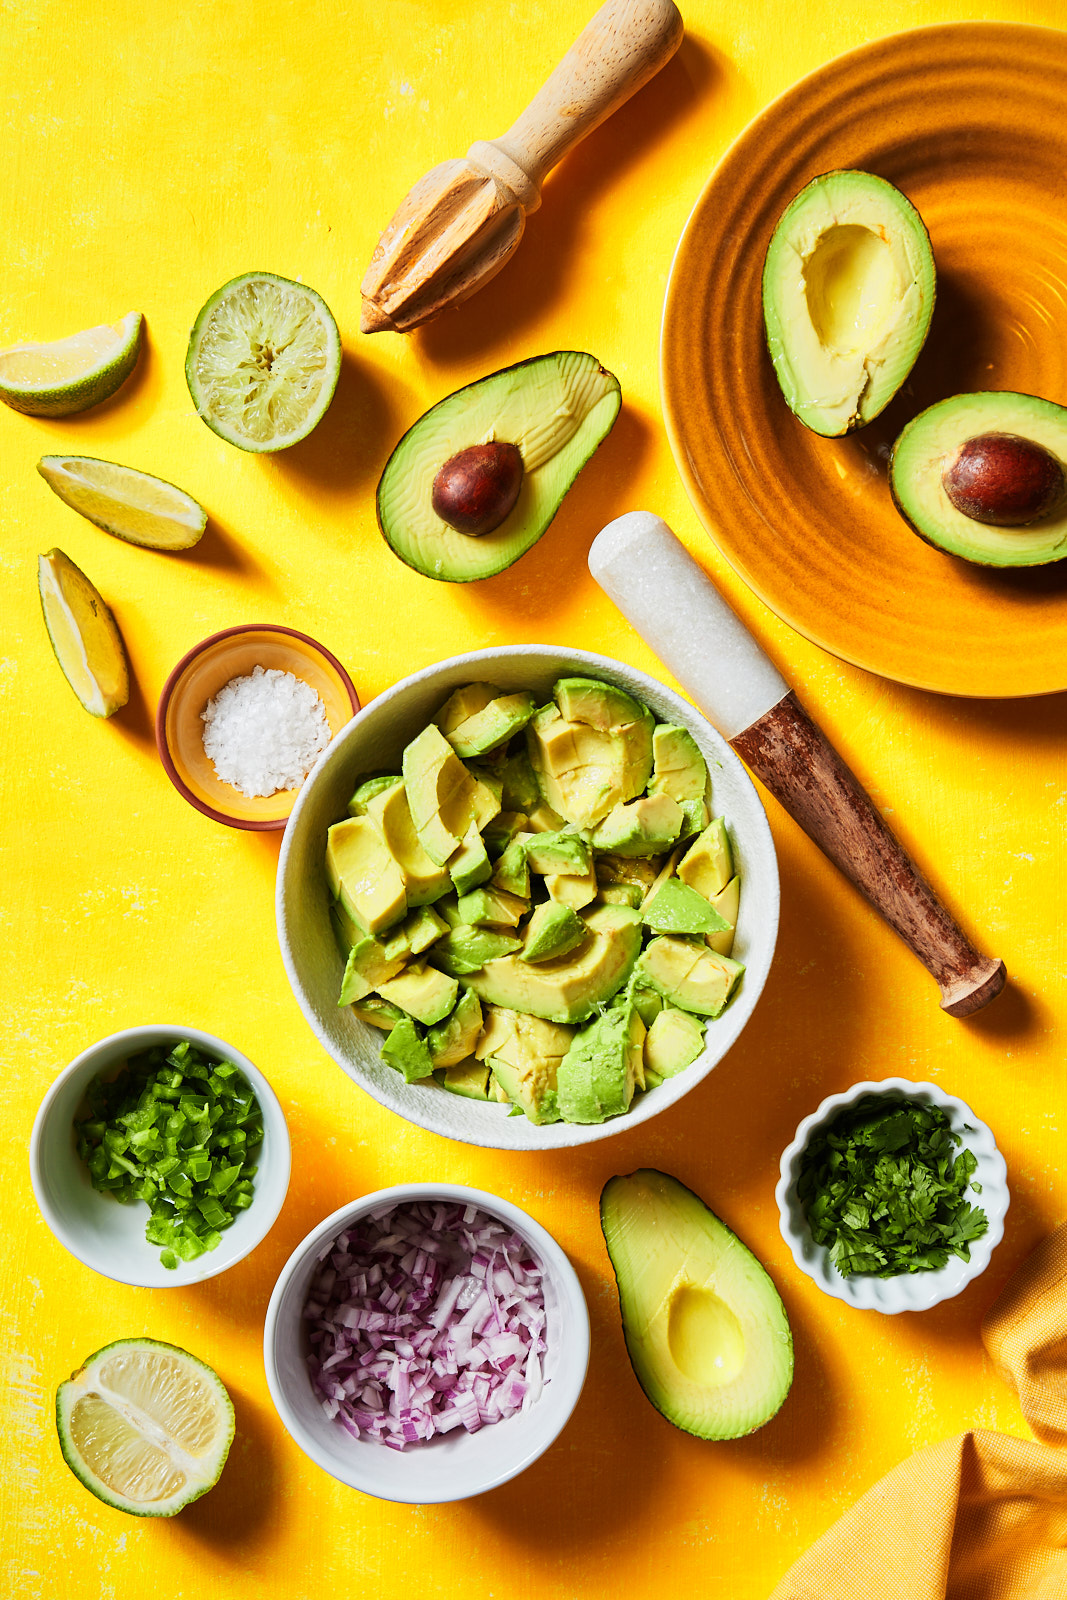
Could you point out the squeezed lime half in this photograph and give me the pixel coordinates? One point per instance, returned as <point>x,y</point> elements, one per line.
<point>263,361</point>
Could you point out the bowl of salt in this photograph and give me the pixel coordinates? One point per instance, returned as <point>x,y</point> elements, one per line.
<point>244,717</point>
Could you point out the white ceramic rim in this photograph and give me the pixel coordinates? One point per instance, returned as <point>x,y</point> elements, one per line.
<point>267,1202</point>
<point>561,1394</point>
<point>421,1105</point>
<point>915,1291</point>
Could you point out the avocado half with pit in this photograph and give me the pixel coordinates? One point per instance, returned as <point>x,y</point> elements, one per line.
<point>477,480</point>
<point>848,293</point>
<point>984,476</point>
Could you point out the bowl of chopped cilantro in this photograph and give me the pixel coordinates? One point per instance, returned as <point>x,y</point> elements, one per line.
<point>892,1196</point>
<point>160,1156</point>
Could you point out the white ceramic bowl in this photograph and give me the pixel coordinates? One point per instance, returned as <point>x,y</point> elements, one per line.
<point>457,1465</point>
<point>910,1291</point>
<point>373,742</point>
<point>109,1237</point>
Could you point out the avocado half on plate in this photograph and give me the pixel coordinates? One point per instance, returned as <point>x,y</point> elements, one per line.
<point>848,293</point>
<point>477,480</point>
<point>983,476</point>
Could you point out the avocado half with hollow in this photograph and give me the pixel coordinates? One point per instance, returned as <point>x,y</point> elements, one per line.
<point>984,476</point>
<point>705,1328</point>
<point>848,293</point>
<point>554,410</point>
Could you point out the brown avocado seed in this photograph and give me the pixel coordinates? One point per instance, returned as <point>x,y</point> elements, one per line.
<point>476,490</point>
<point>1004,480</point>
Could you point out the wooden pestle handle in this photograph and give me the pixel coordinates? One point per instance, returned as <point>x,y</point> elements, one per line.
<point>616,53</point>
<point>792,757</point>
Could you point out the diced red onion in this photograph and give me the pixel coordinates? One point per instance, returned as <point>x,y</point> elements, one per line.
<point>424,1318</point>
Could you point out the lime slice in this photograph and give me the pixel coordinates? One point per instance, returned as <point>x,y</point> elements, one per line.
<point>263,361</point>
<point>54,380</point>
<point>144,1426</point>
<point>84,637</point>
<point>130,504</point>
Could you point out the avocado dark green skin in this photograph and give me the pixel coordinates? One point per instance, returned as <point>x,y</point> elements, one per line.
<point>467,558</point>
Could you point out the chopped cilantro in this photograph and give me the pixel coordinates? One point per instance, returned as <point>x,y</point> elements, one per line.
<point>883,1189</point>
<point>157,1132</point>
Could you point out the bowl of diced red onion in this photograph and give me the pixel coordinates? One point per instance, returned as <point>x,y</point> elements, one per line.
<point>426,1343</point>
<point>243,718</point>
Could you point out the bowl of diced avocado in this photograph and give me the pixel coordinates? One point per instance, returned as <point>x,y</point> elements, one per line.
<point>528,897</point>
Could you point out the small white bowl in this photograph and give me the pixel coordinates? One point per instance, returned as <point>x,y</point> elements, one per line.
<point>373,742</point>
<point>109,1237</point>
<point>908,1291</point>
<point>459,1464</point>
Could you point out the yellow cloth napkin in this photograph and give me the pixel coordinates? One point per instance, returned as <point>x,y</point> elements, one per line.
<point>982,1516</point>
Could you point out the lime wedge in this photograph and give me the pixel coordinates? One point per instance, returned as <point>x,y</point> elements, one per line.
<point>84,637</point>
<point>263,361</point>
<point>54,380</point>
<point>130,504</point>
<point>144,1426</point>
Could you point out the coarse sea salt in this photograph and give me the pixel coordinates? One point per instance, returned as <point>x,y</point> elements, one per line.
<point>263,732</point>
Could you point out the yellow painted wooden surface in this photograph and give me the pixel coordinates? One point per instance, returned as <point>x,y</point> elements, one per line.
<point>151,152</point>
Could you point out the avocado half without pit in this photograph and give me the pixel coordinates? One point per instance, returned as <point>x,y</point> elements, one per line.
<point>848,293</point>
<point>983,477</point>
<point>477,480</point>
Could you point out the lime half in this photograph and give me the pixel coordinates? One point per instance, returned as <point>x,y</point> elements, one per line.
<point>86,642</point>
<point>144,1426</point>
<point>54,380</point>
<point>263,362</point>
<point>130,504</point>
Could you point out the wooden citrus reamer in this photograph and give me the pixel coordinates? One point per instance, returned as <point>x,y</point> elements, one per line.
<point>676,608</point>
<point>460,223</point>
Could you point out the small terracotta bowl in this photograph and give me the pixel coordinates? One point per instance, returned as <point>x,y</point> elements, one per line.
<point>200,675</point>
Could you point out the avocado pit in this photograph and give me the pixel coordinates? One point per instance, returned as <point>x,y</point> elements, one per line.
<point>476,489</point>
<point>1004,480</point>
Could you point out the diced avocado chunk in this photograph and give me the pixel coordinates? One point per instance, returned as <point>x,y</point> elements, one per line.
<point>676,908</point>
<point>346,931</point>
<point>489,907</point>
<point>542,819</point>
<point>552,931</point>
<point>378,1013</point>
<point>673,1042</point>
<point>453,1039</point>
<point>628,869</point>
<point>677,766</point>
<point>440,794</point>
<point>645,996</point>
<point>421,928</point>
<point>465,949</point>
<point>572,987</point>
<point>368,965</point>
<point>645,827</point>
<point>470,866</point>
<point>584,771</point>
<point>708,864</point>
<point>621,894</point>
<point>424,992</point>
<point>695,816</point>
<point>366,791</point>
<point>492,726</point>
<point>512,873</point>
<point>524,1054</point>
<point>462,703</point>
<point>727,903</point>
<point>571,890</point>
<point>598,1075</point>
<point>424,880</point>
<point>406,1050</point>
<point>498,834</point>
<point>363,875</point>
<point>521,791</point>
<point>558,853</point>
<point>599,704</point>
<point>471,1080</point>
<point>690,975</point>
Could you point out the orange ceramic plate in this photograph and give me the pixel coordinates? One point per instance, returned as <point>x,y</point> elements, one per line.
<point>969,120</point>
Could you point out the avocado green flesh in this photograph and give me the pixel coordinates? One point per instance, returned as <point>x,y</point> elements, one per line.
<point>570,988</point>
<point>556,408</point>
<point>848,293</point>
<point>705,1329</point>
<point>930,442</point>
